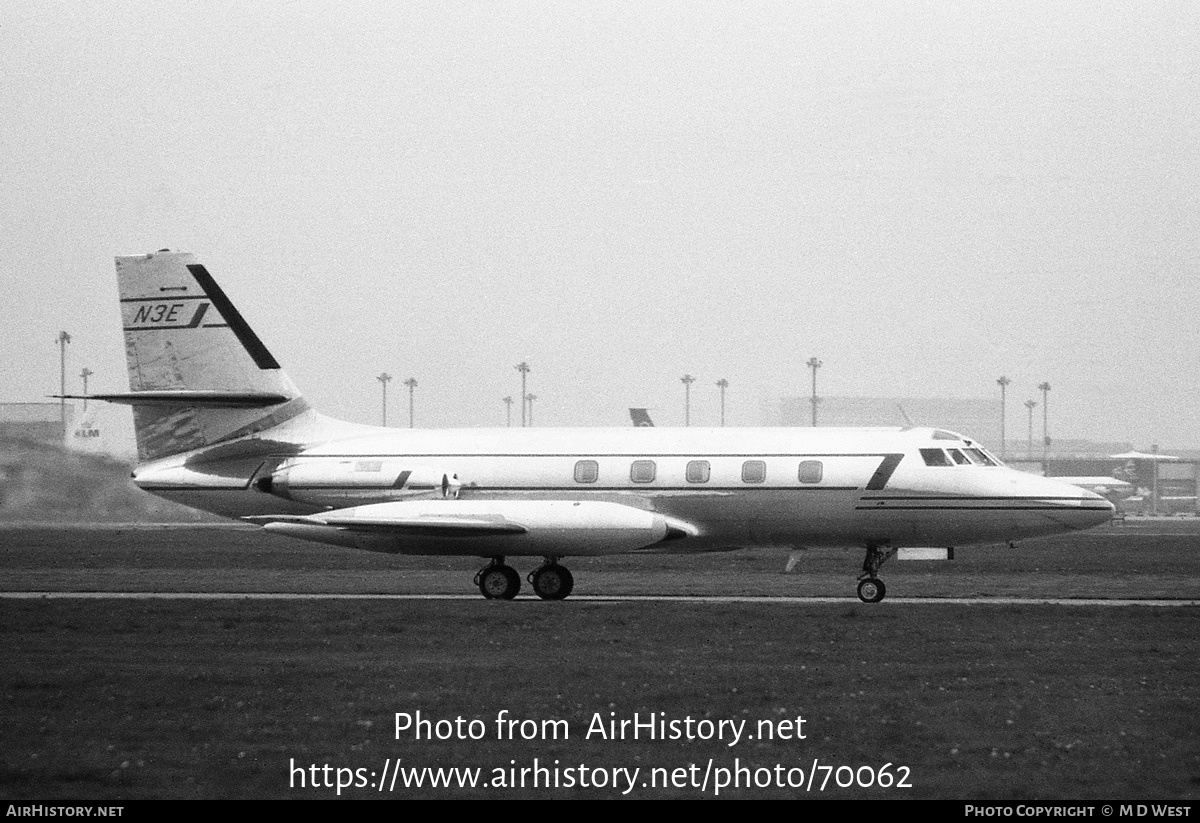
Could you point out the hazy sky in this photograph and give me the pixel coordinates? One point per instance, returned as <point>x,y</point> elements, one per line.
<point>924,195</point>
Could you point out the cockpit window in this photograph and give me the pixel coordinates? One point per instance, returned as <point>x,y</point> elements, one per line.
<point>959,458</point>
<point>935,457</point>
<point>981,457</point>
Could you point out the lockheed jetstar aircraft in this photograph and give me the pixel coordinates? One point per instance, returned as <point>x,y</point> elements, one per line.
<point>220,427</point>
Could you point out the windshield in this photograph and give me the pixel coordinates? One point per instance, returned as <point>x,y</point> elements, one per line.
<point>982,457</point>
<point>964,456</point>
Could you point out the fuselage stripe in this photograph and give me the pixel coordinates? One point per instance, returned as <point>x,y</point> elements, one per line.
<point>884,473</point>
<point>578,455</point>
<point>1048,507</point>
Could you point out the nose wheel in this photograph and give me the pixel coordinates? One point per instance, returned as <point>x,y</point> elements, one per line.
<point>871,590</point>
<point>870,587</point>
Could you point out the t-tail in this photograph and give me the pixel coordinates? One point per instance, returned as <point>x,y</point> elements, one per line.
<point>198,374</point>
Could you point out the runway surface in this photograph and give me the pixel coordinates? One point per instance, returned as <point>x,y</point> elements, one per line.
<point>1152,564</point>
<point>957,601</point>
<point>190,661</point>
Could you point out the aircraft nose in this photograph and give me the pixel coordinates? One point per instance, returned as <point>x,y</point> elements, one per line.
<point>1104,508</point>
<point>1090,509</point>
<point>1100,508</point>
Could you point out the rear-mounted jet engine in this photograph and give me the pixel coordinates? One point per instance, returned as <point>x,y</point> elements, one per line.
<point>342,481</point>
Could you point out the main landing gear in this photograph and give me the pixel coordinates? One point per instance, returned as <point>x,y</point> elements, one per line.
<point>550,581</point>
<point>870,587</point>
<point>498,581</point>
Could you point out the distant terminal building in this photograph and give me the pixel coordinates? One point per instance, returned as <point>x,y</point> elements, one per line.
<point>92,427</point>
<point>976,418</point>
<point>1157,484</point>
<point>35,421</point>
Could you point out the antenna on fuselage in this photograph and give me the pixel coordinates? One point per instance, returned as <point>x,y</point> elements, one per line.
<point>908,424</point>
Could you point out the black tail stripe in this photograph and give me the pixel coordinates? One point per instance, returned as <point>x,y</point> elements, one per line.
<point>245,335</point>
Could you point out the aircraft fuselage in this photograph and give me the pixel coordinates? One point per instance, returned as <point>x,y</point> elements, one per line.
<point>725,488</point>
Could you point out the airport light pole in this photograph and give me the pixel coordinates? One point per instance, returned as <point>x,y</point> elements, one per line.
<point>529,398</point>
<point>63,340</point>
<point>85,374</point>
<point>384,379</point>
<point>1154,480</point>
<point>687,381</point>
<point>814,364</point>
<point>1029,404</point>
<point>523,368</point>
<point>1045,387</point>
<point>412,384</point>
<point>722,384</point>
<point>1003,382</point>
<point>507,411</point>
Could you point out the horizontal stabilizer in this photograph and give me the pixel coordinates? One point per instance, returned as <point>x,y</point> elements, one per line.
<point>187,397</point>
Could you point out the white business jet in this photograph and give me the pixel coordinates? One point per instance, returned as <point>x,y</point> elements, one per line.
<point>220,427</point>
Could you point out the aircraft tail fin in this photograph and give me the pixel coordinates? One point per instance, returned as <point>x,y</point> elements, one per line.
<point>198,374</point>
<point>640,417</point>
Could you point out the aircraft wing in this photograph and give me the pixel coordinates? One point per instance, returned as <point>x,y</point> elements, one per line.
<point>546,527</point>
<point>428,526</point>
<point>1100,485</point>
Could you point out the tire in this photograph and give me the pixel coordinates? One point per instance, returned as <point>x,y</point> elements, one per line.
<point>871,590</point>
<point>553,582</point>
<point>499,582</point>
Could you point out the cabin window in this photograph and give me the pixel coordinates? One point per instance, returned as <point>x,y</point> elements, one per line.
<point>960,458</point>
<point>642,471</point>
<point>698,471</point>
<point>586,471</point>
<point>935,457</point>
<point>754,471</point>
<point>811,471</point>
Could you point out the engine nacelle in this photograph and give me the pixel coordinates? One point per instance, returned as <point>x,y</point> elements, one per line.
<point>342,481</point>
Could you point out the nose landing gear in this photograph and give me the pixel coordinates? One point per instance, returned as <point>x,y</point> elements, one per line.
<point>871,590</point>
<point>870,587</point>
